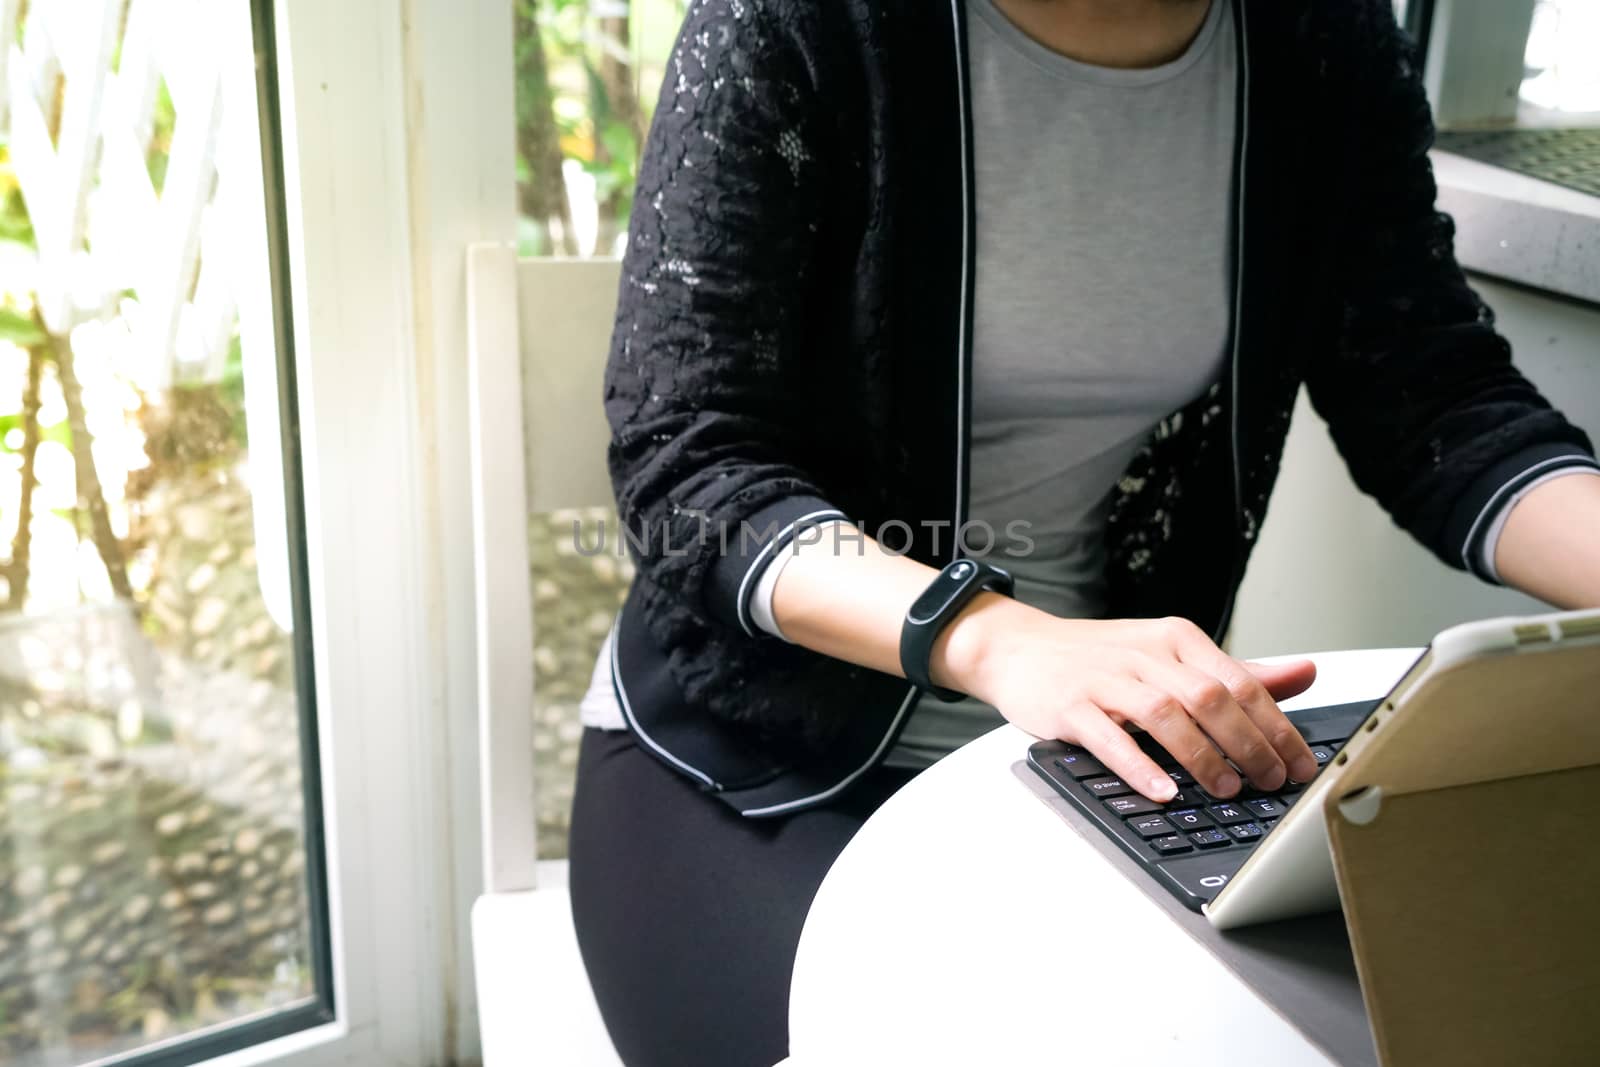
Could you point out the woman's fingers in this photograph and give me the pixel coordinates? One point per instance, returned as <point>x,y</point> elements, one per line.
<point>1219,712</point>
<point>1090,727</point>
<point>1283,680</point>
<point>1164,717</point>
<point>1270,719</point>
<point>1291,750</point>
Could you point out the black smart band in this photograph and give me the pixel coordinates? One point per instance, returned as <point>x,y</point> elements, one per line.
<point>944,598</point>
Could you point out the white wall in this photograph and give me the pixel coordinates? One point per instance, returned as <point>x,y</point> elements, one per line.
<point>1332,571</point>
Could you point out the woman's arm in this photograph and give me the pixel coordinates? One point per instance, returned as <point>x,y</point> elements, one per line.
<point>1550,546</point>
<point>711,311</point>
<point>1078,680</point>
<point>1420,394</point>
<point>709,456</point>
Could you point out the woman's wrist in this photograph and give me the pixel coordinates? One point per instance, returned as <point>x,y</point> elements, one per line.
<point>964,655</point>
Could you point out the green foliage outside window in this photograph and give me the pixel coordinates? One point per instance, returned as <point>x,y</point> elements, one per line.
<point>587,74</point>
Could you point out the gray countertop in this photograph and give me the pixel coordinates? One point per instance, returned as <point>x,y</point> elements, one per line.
<point>1521,229</point>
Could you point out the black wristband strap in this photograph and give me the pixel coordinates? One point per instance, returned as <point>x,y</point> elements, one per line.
<point>944,598</point>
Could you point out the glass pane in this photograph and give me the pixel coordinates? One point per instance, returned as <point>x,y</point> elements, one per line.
<point>588,72</point>
<point>153,827</point>
<point>1561,77</point>
<point>1515,85</point>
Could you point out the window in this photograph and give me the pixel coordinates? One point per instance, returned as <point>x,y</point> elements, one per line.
<point>1513,84</point>
<point>238,778</point>
<point>1522,63</point>
<point>1561,80</point>
<point>161,868</point>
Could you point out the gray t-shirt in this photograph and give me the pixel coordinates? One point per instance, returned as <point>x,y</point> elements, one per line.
<point>1102,301</point>
<point>1103,288</point>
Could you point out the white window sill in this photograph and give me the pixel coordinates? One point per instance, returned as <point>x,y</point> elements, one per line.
<point>1521,229</point>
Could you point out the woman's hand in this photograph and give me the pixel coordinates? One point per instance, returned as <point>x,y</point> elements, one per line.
<point>1084,681</point>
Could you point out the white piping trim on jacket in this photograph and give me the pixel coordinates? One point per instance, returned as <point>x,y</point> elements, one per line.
<point>843,783</point>
<point>627,711</point>
<point>1238,289</point>
<point>961,413</point>
<point>966,256</point>
<point>1497,528</point>
<point>782,538</point>
<point>1494,501</point>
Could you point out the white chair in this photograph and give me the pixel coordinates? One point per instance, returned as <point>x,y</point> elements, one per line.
<point>537,337</point>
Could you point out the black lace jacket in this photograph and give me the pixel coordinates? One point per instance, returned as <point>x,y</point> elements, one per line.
<point>792,343</point>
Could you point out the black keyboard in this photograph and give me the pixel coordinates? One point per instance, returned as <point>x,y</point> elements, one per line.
<point>1194,842</point>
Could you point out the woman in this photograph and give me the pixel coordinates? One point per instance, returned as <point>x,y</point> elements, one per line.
<point>1027,283</point>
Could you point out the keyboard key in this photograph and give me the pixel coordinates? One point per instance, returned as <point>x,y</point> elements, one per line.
<point>1105,788</point>
<point>1245,831</point>
<point>1152,825</point>
<point>1288,799</point>
<point>1185,798</point>
<point>1200,877</point>
<point>1227,813</point>
<point>1212,838</point>
<point>1181,777</point>
<point>1128,807</point>
<point>1265,807</point>
<point>1080,765</point>
<point>1190,819</point>
<point>1171,846</point>
<point>1324,753</point>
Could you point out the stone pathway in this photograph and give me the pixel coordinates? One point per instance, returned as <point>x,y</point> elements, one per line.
<point>151,860</point>
<point>153,886</point>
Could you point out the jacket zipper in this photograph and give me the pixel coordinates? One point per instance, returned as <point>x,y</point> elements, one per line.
<point>1240,146</point>
<point>964,322</point>
<point>963,349</point>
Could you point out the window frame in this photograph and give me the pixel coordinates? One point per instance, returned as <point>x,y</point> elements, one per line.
<point>1418,22</point>
<point>397,153</point>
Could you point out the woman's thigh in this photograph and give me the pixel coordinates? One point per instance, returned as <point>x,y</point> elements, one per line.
<point>688,914</point>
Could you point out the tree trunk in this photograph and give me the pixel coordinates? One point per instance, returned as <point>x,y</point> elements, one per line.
<point>90,496</point>
<point>621,105</point>
<point>17,570</point>
<point>543,196</point>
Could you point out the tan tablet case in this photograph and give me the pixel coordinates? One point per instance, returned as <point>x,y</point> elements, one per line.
<point>1466,841</point>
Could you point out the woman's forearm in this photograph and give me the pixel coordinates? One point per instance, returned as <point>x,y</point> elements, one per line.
<point>1550,547</point>
<point>843,595</point>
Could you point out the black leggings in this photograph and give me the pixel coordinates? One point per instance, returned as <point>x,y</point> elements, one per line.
<point>688,915</point>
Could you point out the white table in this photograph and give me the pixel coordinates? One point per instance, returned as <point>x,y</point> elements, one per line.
<point>966,923</point>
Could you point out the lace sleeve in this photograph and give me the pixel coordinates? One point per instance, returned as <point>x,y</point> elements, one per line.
<point>708,453</point>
